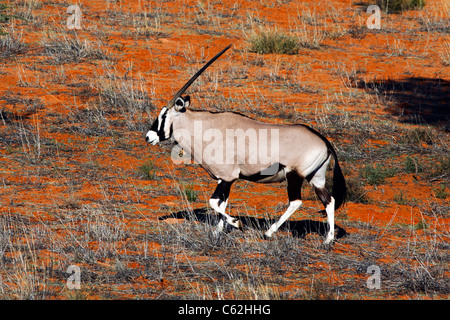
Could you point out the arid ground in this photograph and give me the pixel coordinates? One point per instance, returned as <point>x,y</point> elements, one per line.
<point>79,186</point>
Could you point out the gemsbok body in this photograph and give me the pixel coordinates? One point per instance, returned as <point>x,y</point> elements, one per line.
<point>231,146</point>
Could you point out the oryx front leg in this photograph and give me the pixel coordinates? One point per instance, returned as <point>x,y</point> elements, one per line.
<point>219,207</point>
<point>294,205</point>
<point>219,201</point>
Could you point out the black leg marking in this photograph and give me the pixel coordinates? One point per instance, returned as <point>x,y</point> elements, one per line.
<point>324,196</point>
<point>218,202</point>
<point>294,185</point>
<point>222,191</point>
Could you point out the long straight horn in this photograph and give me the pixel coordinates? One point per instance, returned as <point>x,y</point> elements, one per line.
<point>194,77</point>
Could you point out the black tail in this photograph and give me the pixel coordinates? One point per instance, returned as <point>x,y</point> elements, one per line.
<point>339,187</point>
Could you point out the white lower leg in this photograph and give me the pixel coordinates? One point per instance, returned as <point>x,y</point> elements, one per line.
<point>330,217</point>
<point>223,206</point>
<point>221,224</point>
<point>293,205</point>
<point>214,203</point>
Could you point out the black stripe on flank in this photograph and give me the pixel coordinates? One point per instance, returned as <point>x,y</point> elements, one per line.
<point>266,173</point>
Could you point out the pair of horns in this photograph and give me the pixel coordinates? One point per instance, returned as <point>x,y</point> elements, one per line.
<point>171,103</point>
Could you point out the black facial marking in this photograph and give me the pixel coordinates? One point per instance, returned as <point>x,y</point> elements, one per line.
<point>161,133</point>
<point>154,126</point>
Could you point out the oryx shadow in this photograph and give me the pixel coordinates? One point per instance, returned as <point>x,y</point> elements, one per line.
<point>298,228</point>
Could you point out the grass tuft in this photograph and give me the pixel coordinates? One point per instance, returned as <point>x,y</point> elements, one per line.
<point>444,53</point>
<point>274,41</point>
<point>355,191</point>
<point>148,171</point>
<point>397,6</point>
<point>11,44</point>
<point>72,49</point>
<point>191,194</point>
<point>440,192</point>
<point>412,165</point>
<point>376,175</point>
<point>4,16</point>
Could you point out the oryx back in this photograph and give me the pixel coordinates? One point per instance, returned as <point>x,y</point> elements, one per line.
<point>231,146</point>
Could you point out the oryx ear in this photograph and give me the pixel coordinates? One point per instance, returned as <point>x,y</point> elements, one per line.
<point>182,103</point>
<point>187,101</point>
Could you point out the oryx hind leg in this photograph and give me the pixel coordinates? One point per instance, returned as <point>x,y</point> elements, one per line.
<point>294,184</point>
<point>318,182</point>
<point>328,202</point>
<point>219,201</point>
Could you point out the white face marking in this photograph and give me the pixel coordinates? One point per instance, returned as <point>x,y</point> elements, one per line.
<point>152,137</point>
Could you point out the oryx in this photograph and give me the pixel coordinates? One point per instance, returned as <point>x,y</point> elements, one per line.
<point>297,152</point>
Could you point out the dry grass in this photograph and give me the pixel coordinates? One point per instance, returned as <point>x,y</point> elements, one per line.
<point>79,186</point>
<point>444,53</point>
<point>238,265</point>
<point>72,49</point>
<point>11,44</point>
<point>124,95</point>
<point>396,6</point>
<point>311,38</point>
<point>273,41</point>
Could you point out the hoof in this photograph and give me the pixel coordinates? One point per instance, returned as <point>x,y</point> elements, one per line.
<point>267,235</point>
<point>237,224</point>
<point>328,242</point>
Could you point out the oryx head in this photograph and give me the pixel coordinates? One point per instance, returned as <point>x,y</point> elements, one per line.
<point>161,128</point>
